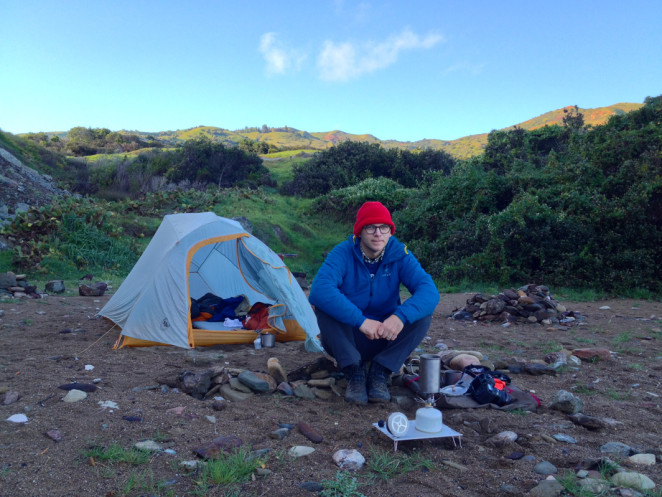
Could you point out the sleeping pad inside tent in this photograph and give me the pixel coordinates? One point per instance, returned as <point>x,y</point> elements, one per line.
<point>192,257</point>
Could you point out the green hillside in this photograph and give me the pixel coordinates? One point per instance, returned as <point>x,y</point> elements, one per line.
<point>288,138</point>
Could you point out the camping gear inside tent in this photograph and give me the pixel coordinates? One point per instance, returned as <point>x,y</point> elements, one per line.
<point>196,255</point>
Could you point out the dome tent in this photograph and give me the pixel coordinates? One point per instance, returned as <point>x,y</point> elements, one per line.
<point>191,255</point>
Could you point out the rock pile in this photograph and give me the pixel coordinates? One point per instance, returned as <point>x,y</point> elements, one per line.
<point>16,286</point>
<point>530,303</point>
<point>318,380</point>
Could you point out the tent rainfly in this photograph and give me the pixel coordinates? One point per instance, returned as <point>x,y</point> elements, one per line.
<point>191,255</point>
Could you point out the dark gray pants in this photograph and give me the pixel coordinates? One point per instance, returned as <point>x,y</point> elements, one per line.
<point>347,345</point>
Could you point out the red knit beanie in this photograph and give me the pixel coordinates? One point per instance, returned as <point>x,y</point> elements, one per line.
<point>372,213</point>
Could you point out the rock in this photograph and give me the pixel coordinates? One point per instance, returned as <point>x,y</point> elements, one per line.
<point>326,382</point>
<point>74,396</point>
<point>195,384</point>
<point>54,435</point>
<point>55,286</point>
<point>545,468</point>
<point>300,451</point>
<point>17,418</point>
<point>7,280</point>
<point>594,486</point>
<point>546,488</point>
<point>108,404</point>
<point>276,370</point>
<point>11,397</point>
<point>148,446</point>
<point>239,386</point>
<point>311,486</point>
<point>322,394</point>
<point>234,395</point>
<point>269,379</point>
<point>349,459</point>
<point>93,290</point>
<point>503,438</point>
<point>633,480</point>
<point>285,389</point>
<point>280,433</point>
<point>256,384</point>
<point>217,446</point>
<point>566,402</point>
<point>83,387</point>
<point>538,369</point>
<point>219,404</point>
<point>588,422</point>
<point>617,449</point>
<point>641,460</point>
<point>592,354</point>
<point>303,391</point>
<point>564,438</point>
<point>461,361</point>
<point>309,432</point>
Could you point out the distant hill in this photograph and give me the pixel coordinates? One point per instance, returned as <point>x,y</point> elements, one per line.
<point>288,138</point>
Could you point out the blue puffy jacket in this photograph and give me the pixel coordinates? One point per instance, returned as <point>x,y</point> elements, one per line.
<point>344,289</point>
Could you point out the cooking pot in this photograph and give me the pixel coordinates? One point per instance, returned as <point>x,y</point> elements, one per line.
<point>450,377</point>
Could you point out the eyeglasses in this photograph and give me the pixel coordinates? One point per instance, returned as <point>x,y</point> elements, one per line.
<point>384,229</point>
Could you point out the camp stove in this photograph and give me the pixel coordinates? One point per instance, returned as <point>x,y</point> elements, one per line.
<point>428,422</point>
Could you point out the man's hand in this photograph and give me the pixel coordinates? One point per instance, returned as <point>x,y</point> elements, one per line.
<point>390,328</point>
<point>370,328</point>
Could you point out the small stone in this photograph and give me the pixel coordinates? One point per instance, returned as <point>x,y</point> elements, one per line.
<point>83,387</point>
<point>239,386</point>
<point>256,384</point>
<point>276,370</point>
<point>11,397</point>
<point>566,402</point>
<point>300,451</point>
<point>564,438</point>
<point>54,435</point>
<point>349,459</point>
<point>309,432</point>
<point>93,290</point>
<point>641,460</point>
<point>633,480</point>
<point>211,419</point>
<point>326,382</point>
<point>74,396</point>
<point>17,418</point>
<point>233,395</point>
<point>592,354</point>
<point>304,392</point>
<point>263,472</point>
<point>323,394</point>
<point>588,422</point>
<point>311,486</point>
<point>190,465</point>
<point>545,468</point>
<point>594,486</point>
<point>108,404</point>
<point>148,446</point>
<point>280,433</point>
<point>285,389</point>
<point>219,404</point>
<point>503,438</point>
<point>616,449</point>
<point>218,445</point>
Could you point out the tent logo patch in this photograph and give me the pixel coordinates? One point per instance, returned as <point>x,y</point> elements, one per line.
<point>165,323</point>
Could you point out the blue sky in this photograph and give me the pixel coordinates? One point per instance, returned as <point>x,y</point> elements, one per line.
<point>398,70</point>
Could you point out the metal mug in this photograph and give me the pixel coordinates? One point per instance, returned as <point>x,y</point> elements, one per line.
<point>429,370</point>
<point>268,340</point>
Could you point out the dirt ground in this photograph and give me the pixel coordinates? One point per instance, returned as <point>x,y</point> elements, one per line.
<point>47,343</point>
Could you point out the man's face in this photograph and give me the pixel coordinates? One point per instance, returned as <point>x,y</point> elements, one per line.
<point>373,243</point>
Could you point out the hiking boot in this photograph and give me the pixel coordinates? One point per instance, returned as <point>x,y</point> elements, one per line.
<point>378,377</point>
<point>356,391</point>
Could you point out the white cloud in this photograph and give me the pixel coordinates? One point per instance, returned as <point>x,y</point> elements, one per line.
<point>278,57</point>
<point>345,61</point>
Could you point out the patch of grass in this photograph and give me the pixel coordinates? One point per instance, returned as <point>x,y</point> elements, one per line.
<point>635,366</point>
<point>4,472</point>
<point>570,483</point>
<point>115,453</point>
<point>386,464</point>
<point>143,482</point>
<point>228,468</point>
<point>619,395</point>
<point>548,346</point>
<point>621,338</point>
<point>490,346</point>
<point>582,389</point>
<point>585,340</point>
<point>342,485</point>
<point>519,412</point>
<point>579,294</point>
